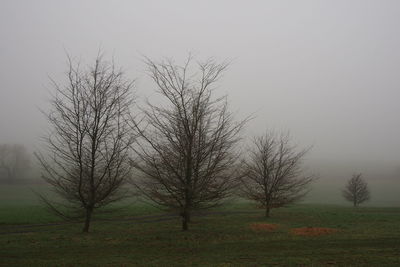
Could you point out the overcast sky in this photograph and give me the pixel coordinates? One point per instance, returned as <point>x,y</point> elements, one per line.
<point>328,71</point>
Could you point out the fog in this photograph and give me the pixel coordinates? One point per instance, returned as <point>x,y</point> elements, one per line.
<point>327,71</point>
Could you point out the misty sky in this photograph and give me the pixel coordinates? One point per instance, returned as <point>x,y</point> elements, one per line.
<point>328,71</point>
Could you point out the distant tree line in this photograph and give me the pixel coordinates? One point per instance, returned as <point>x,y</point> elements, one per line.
<point>14,162</point>
<point>182,153</point>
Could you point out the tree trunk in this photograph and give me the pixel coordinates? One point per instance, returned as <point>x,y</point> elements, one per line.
<point>185,220</point>
<point>267,211</point>
<point>88,219</point>
<point>188,217</point>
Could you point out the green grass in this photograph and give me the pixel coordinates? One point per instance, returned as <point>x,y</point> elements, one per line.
<point>366,237</point>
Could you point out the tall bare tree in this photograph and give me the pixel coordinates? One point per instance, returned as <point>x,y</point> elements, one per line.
<point>14,161</point>
<point>273,173</point>
<point>187,152</point>
<point>87,158</point>
<point>356,190</point>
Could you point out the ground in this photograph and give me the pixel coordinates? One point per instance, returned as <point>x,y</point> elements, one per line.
<point>234,235</point>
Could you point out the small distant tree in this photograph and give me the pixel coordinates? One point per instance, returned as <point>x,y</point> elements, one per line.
<point>187,154</point>
<point>87,159</point>
<point>356,190</point>
<point>273,174</point>
<point>14,161</point>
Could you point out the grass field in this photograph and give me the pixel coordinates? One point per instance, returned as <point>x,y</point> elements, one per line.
<point>142,235</point>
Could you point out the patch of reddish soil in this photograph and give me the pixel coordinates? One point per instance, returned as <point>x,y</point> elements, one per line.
<point>263,226</point>
<point>313,231</point>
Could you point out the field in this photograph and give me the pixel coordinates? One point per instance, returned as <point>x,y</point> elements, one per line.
<point>234,235</point>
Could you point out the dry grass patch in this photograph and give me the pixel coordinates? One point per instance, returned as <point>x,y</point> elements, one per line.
<point>313,231</point>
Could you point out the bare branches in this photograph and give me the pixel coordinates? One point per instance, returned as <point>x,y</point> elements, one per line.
<point>273,172</point>
<point>187,154</point>
<point>88,159</point>
<point>356,190</point>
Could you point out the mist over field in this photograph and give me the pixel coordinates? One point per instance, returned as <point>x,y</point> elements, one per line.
<point>199,133</point>
<point>327,71</point>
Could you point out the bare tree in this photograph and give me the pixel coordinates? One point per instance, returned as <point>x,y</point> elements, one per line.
<point>187,152</point>
<point>356,190</point>
<point>273,172</point>
<point>87,159</point>
<point>14,161</point>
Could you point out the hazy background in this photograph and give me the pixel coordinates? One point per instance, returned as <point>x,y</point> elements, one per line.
<point>328,71</point>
